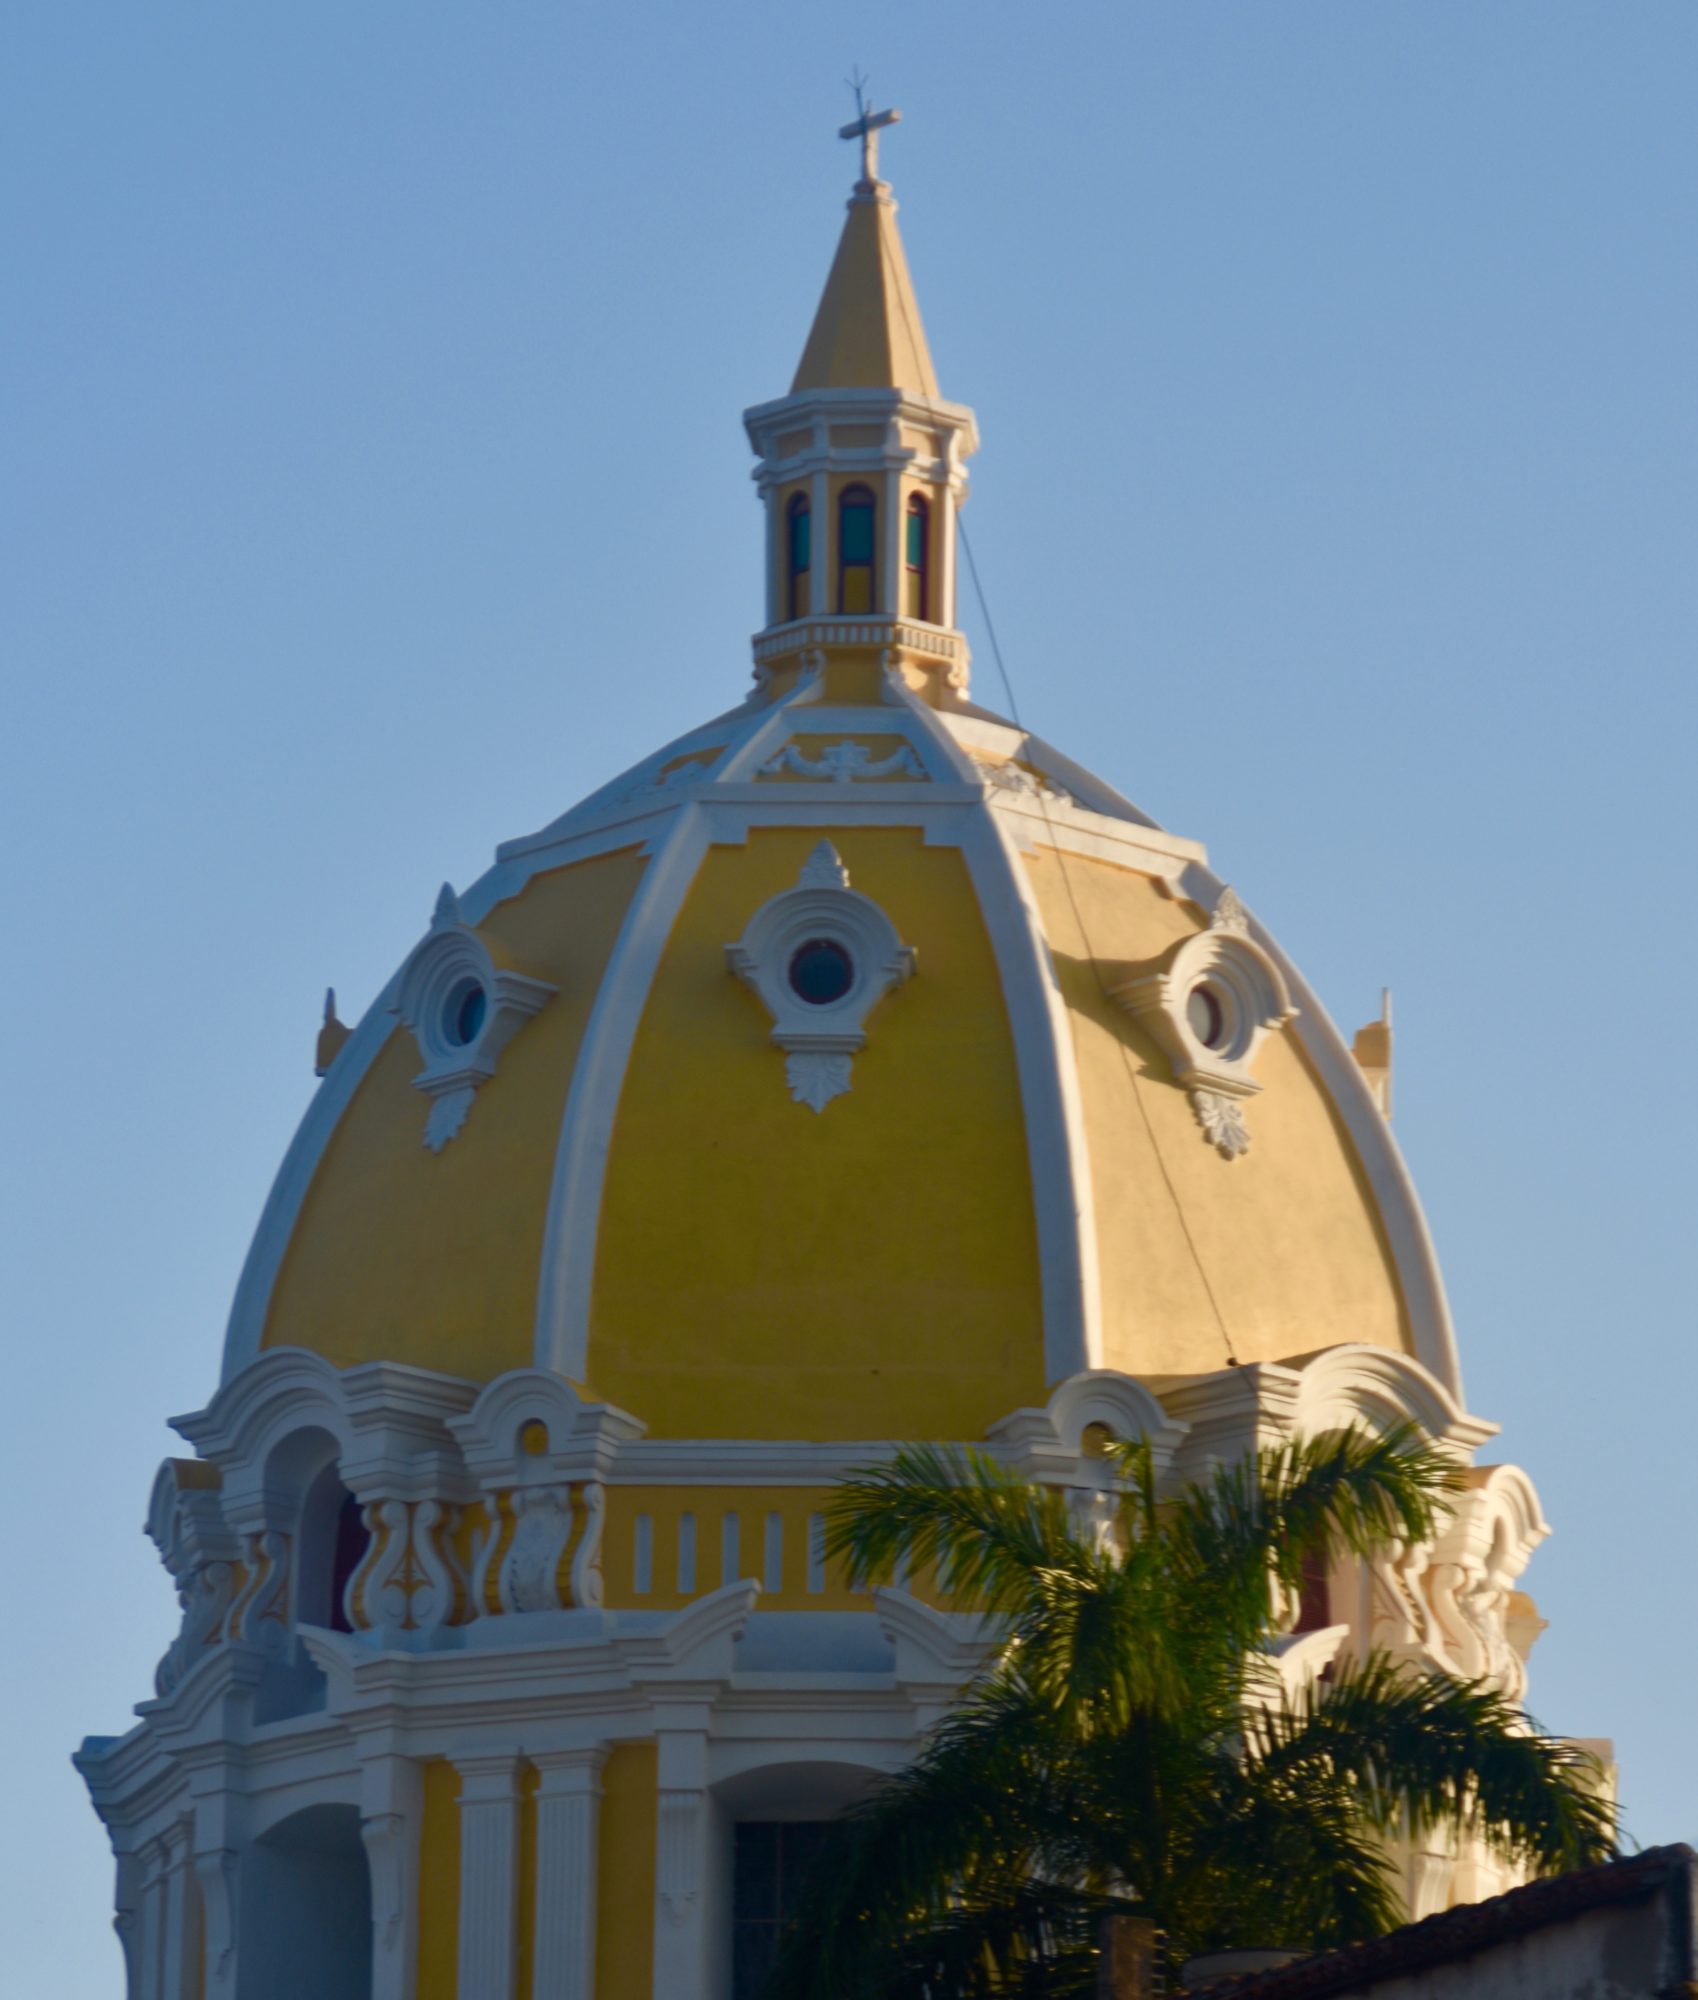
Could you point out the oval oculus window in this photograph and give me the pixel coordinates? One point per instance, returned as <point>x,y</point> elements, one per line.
<point>1205,1016</point>
<point>821,971</point>
<point>463,1016</point>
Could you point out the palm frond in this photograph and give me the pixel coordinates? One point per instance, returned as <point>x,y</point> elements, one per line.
<point>991,1532</point>
<point>1253,1525</point>
<point>1443,1752</point>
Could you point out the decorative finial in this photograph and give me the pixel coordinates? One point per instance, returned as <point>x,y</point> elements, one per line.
<point>867,126</point>
<point>332,1036</point>
<point>447,909</point>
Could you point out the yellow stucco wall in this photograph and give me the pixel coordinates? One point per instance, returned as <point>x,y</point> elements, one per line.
<point>402,1254</point>
<point>1288,1236</point>
<point>665,1507</point>
<point>869,1271</point>
<point>624,1922</point>
<point>439,1884</point>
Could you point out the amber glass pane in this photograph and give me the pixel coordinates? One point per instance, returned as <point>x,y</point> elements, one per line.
<point>914,594</point>
<point>857,587</point>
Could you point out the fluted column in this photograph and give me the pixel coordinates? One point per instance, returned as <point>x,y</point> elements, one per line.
<point>489,1875</point>
<point>568,1812</point>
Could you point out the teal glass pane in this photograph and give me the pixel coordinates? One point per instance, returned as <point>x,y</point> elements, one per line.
<point>857,533</point>
<point>801,541</point>
<point>916,541</point>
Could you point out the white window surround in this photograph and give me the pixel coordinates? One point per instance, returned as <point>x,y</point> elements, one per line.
<point>1244,994</point>
<point>820,1040</point>
<point>434,986</point>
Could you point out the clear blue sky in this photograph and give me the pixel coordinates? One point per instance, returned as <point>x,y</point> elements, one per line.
<point>374,487</point>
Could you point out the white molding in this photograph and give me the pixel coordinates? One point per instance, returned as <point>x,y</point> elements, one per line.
<point>248,1312</point>
<point>845,762</point>
<point>820,1040</point>
<point>1050,1443</point>
<point>1395,1198</point>
<point>566,1280</point>
<point>584,1438</point>
<point>1378,1387</point>
<point>1250,1000</point>
<point>450,966</point>
<point>391,1823</point>
<point>1039,1024</point>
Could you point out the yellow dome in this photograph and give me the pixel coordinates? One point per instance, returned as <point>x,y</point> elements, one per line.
<point>1015,1185</point>
<point>857,1066</point>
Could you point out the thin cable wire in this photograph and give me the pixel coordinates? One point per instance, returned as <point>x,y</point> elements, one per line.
<point>898,289</point>
<point>1103,987</point>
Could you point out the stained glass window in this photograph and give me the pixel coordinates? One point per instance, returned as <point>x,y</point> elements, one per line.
<point>856,534</point>
<point>916,580</point>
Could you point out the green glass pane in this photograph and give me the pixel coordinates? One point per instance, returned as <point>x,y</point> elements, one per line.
<point>857,534</point>
<point>916,541</point>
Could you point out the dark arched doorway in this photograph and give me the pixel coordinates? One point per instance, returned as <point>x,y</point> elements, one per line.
<point>306,1910</point>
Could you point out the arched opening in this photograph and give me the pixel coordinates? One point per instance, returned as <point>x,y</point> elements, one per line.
<point>333,1540</point>
<point>857,538</point>
<point>798,556</point>
<point>327,1539</point>
<point>775,1818</point>
<point>916,558</point>
<point>305,1925</point>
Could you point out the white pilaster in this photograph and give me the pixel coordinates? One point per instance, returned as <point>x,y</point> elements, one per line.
<point>150,1953</point>
<point>568,1811</point>
<point>681,1864</point>
<point>216,1871</point>
<point>890,580</point>
<point>220,1834</point>
<point>822,558</point>
<point>489,1875</point>
<point>942,553</point>
<point>179,1972</point>
<point>127,1914</point>
<point>391,1817</point>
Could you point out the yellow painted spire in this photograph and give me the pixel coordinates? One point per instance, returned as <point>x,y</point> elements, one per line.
<point>867,332</point>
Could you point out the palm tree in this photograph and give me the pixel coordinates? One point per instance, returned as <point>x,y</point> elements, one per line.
<point>1131,1746</point>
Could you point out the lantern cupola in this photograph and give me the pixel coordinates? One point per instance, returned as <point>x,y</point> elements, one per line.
<point>861,472</point>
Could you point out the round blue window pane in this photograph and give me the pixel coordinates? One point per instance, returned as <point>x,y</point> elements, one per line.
<point>467,1011</point>
<point>821,972</point>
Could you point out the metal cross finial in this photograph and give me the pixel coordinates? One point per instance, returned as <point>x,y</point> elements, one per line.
<point>866,128</point>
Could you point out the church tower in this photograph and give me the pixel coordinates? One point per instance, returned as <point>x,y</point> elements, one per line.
<point>857,1068</point>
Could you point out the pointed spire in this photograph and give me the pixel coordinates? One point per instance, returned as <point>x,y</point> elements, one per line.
<point>867,332</point>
